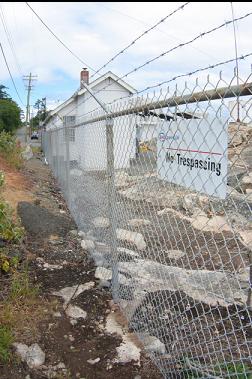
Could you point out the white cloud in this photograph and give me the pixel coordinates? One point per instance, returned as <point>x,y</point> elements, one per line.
<point>97,31</point>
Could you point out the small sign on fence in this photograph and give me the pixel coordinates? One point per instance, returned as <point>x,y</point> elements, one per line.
<point>193,154</point>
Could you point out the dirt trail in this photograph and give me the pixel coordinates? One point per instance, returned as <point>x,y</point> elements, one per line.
<point>74,348</point>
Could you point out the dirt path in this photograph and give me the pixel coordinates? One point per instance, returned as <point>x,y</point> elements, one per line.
<point>74,347</point>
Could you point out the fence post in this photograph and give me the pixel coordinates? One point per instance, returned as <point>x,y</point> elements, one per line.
<point>111,205</point>
<point>67,166</point>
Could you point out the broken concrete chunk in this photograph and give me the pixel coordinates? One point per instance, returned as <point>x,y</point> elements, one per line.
<point>103,273</point>
<point>93,361</point>
<point>21,350</point>
<point>101,222</point>
<point>175,254</point>
<point>69,293</point>
<point>137,222</point>
<point>132,237</point>
<point>127,352</point>
<point>75,312</point>
<point>33,355</point>
<point>152,344</point>
<point>87,244</point>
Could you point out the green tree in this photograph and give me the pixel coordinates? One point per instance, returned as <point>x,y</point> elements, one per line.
<point>3,93</point>
<point>41,115</point>
<point>9,115</point>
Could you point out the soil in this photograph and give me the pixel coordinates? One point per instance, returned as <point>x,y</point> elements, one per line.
<point>49,237</point>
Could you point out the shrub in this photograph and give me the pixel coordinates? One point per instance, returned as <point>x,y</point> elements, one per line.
<point>6,339</point>
<point>10,149</point>
<point>9,230</point>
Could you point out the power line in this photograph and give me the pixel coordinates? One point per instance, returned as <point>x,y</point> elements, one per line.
<point>139,37</point>
<point>10,74</point>
<point>58,39</point>
<point>10,39</point>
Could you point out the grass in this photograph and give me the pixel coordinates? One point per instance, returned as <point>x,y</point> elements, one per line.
<point>6,340</point>
<point>36,149</point>
<point>236,370</point>
<point>10,150</point>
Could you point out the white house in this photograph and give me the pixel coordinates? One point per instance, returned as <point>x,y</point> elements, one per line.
<point>88,142</point>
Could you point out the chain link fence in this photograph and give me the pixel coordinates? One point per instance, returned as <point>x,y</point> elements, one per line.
<point>162,192</point>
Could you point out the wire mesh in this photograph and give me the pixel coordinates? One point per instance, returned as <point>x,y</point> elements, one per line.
<point>163,199</point>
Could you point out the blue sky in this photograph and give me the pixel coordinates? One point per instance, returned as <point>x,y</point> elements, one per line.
<point>96,31</point>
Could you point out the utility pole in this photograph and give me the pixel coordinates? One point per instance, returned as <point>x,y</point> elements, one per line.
<point>29,78</point>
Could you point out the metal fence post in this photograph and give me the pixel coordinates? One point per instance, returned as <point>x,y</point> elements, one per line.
<point>67,166</point>
<point>111,204</point>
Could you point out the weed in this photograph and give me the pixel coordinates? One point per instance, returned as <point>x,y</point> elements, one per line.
<point>6,339</point>
<point>237,370</point>
<point>9,231</point>
<point>21,287</point>
<point>10,150</point>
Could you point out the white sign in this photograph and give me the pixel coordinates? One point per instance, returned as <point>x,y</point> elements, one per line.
<point>193,154</point>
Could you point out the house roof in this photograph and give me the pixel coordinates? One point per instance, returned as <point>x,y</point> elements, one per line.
<point>97,81</point>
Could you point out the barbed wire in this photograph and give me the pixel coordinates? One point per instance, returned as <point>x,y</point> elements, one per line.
<point>139,37</point>
<point>163,54</point>
<point>242,57</point>
<point>173,49</point>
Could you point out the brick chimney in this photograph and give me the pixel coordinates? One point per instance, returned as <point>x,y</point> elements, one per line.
<point>84,76</point>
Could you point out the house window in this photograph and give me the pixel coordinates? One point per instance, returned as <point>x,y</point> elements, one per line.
<point>68,120</point>
<point>71,134</point>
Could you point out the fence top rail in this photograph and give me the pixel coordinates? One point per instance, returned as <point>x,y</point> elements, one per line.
<point>214,94</point>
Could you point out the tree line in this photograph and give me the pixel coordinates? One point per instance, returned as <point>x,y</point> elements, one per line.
<point>10,112</point>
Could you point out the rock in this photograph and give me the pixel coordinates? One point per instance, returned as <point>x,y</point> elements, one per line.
<point>21,350</point>
<point>104,283</point>
<point>247,179</point>
<point>175,254</point>
<point>246,238</point>
<point>75,312</point>
<point>75,172</point>
<point>138,222</point>
<point>132,237</point>
<point>27,153</point>
<point>81,234</point>
<point>68,293</point>
<point>238,133</point>
<point>57,314</point>
<point>93,361</point>
<point>74,232</point>
<point>73,322</point>
<point>50,267</point>
<point>210,287</point>
<point>87,244</point>
<point>101,222</point>
<point>103,273</point>
<point>102,247</point>
<point>35,357</point>
<point>127,253</point>
<point>127,352</point>
<point>216,224</point>
<point>152,344</point>
<point>243,275</point>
